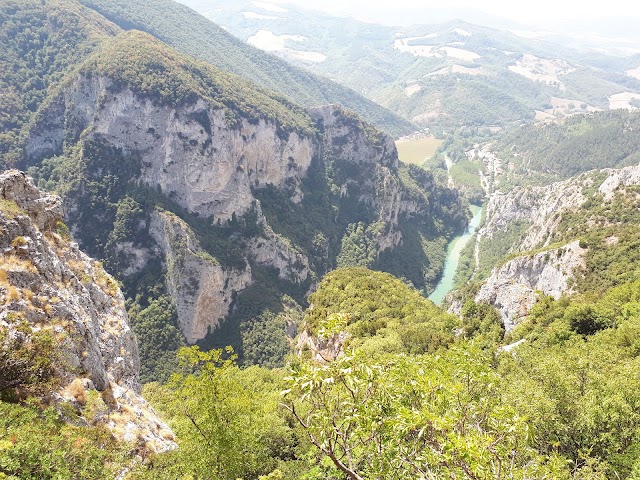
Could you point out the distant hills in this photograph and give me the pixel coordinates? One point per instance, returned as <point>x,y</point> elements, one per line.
<point>443,76</point>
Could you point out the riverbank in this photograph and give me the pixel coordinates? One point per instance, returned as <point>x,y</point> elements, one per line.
<point>454,249</point>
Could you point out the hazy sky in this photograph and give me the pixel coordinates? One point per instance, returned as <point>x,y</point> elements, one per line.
<point>533,12</point>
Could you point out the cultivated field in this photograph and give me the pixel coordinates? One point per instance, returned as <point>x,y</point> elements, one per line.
<point>416,151</point>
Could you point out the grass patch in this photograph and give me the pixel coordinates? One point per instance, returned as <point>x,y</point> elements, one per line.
<point>10,208</point>
<point>417,152</point>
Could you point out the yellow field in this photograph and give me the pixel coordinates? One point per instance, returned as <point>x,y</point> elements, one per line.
<point>417,151</point>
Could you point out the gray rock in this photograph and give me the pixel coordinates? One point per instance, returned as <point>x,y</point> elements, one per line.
<point>51,285</point>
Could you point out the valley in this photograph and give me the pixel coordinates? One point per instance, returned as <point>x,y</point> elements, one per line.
<point>248,240</point>
<point>454,251</point>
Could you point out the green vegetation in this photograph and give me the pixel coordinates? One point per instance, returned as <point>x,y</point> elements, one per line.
<point>466,177</point>
<point>407,397</point>
<point>158,337</point>
<point>384,313</point>
<point>581,143</point>
<point>40,43</point>
<point>226,419</point>
<point>28,360</point>
<point>39,443</point>
<point>562,407</point>
<point>147,66</point>
<point>610,230</point>
<point>359,245</point>
<point>409,417</point>
<point>474,102</point>
<point>194,35</point>
<point>413,391</point>
<point>264,339</point>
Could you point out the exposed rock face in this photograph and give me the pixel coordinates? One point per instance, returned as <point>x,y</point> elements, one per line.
<point>538,207</point>
<point>212,162</point>
<point>619,178</point>
<point>205,163</point>
<point>322,350</point>
<point>202,289</point>
<point>49,284</point>
<point>541,208</point>
<point>270,249</point>
<point>512,288</point>
<point>374,184</point>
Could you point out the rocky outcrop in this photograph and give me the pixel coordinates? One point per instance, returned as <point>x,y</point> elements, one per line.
<point>193,153</point>
<point>272,250</point>
<point>367,161</point>
<point>513,287</point>
<point>616,179</point>
<point>213,161</point>
<point>540,209</point>
<point>321,349</point>
<point>203,291</point>
<point>48,285</point>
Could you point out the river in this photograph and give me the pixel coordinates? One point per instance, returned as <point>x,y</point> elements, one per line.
<point>454,249</point>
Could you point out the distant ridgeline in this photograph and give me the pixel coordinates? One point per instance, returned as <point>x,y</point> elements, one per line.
<point>212,199</point>
<point>442,76</point>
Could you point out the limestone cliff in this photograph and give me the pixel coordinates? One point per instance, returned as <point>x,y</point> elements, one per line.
<point>192,152</point>
<point>513,287</point>
<point>540,211</point>
<point>221,160</point>
<point>48,285</point>
<point>202,289</point>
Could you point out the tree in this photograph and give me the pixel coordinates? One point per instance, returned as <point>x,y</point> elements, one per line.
<point>414,417</point>
<point>226,420</point>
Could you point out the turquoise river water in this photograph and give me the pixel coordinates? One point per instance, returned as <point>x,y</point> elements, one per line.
<point>454,249</point>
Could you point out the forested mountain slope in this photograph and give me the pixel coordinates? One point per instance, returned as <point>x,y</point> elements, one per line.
<point>40,42</point>
<point>223,196</point>
<point>581,143</point>
<point>193,34</point>
<point>441,76</point>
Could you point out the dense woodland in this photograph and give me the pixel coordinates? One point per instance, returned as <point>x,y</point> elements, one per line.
<point>606,139</point>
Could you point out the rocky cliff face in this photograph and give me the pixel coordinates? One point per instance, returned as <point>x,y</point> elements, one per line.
<point>212,162</point>
<point>513,287</point>
<point>193,153</point>
<point>537,207</point>
<point>48,285</point>
<point>540,209</point>
<point>202,290</point>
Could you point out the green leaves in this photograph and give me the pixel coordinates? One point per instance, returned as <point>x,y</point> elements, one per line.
<point>37,444</point>
<point>385,315</point>
<point>226,419</point>
<point>408,417</point>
